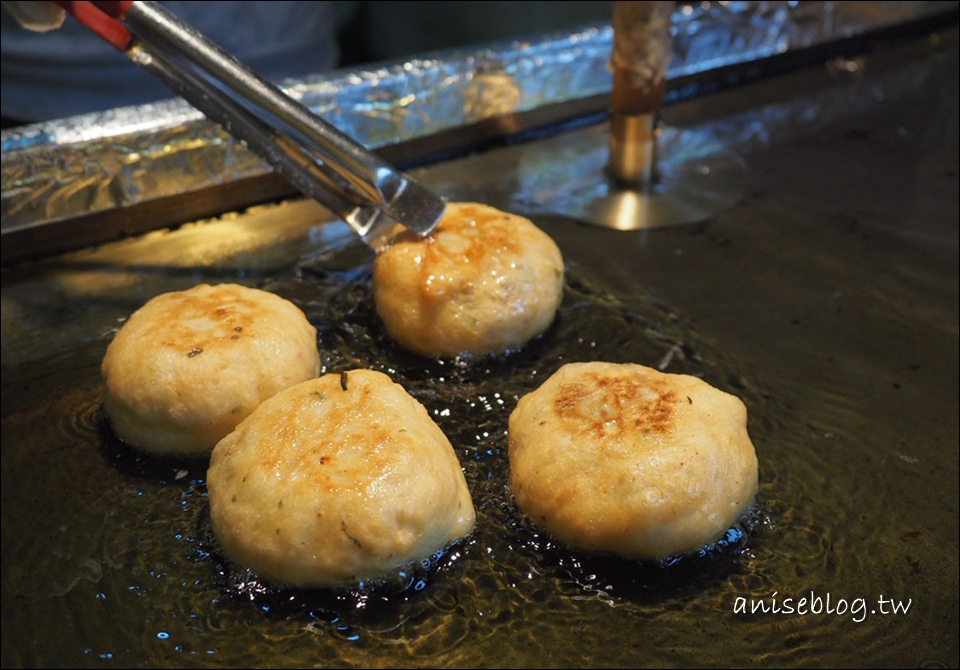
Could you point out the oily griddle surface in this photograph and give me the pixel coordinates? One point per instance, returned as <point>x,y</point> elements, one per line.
<point>827,299</point>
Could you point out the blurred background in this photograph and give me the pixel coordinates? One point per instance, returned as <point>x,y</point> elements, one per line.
<point>70,71</point>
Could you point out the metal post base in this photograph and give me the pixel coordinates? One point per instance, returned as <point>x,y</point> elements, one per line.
<point>689,184</point>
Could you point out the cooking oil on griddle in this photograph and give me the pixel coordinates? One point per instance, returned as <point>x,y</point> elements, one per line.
<point>471,399</point>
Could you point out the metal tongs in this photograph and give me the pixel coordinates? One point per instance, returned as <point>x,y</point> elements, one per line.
<point>366,192</point>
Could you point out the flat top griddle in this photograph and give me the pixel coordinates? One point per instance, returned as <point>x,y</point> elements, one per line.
<point>827,299</point>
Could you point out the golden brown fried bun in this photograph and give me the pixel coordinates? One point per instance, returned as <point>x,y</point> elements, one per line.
<point>188,366</point>
<point>484,282</point>
<point>338,479</point>
<point>628,460</point>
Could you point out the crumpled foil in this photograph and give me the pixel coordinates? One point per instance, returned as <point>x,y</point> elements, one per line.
<point>59,170</point>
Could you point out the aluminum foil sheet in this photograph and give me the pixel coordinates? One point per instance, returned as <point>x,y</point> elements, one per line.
<point>97,162</point>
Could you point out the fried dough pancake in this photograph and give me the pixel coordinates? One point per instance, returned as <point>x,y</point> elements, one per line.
<point>483,282</point>
<point>623,459</point>
<point>188,366</point>
<point>338,479</point>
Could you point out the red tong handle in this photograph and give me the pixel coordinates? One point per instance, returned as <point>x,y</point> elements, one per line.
<point>103,18</point>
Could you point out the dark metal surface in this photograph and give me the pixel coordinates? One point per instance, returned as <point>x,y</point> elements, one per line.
<point>827,299</point>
